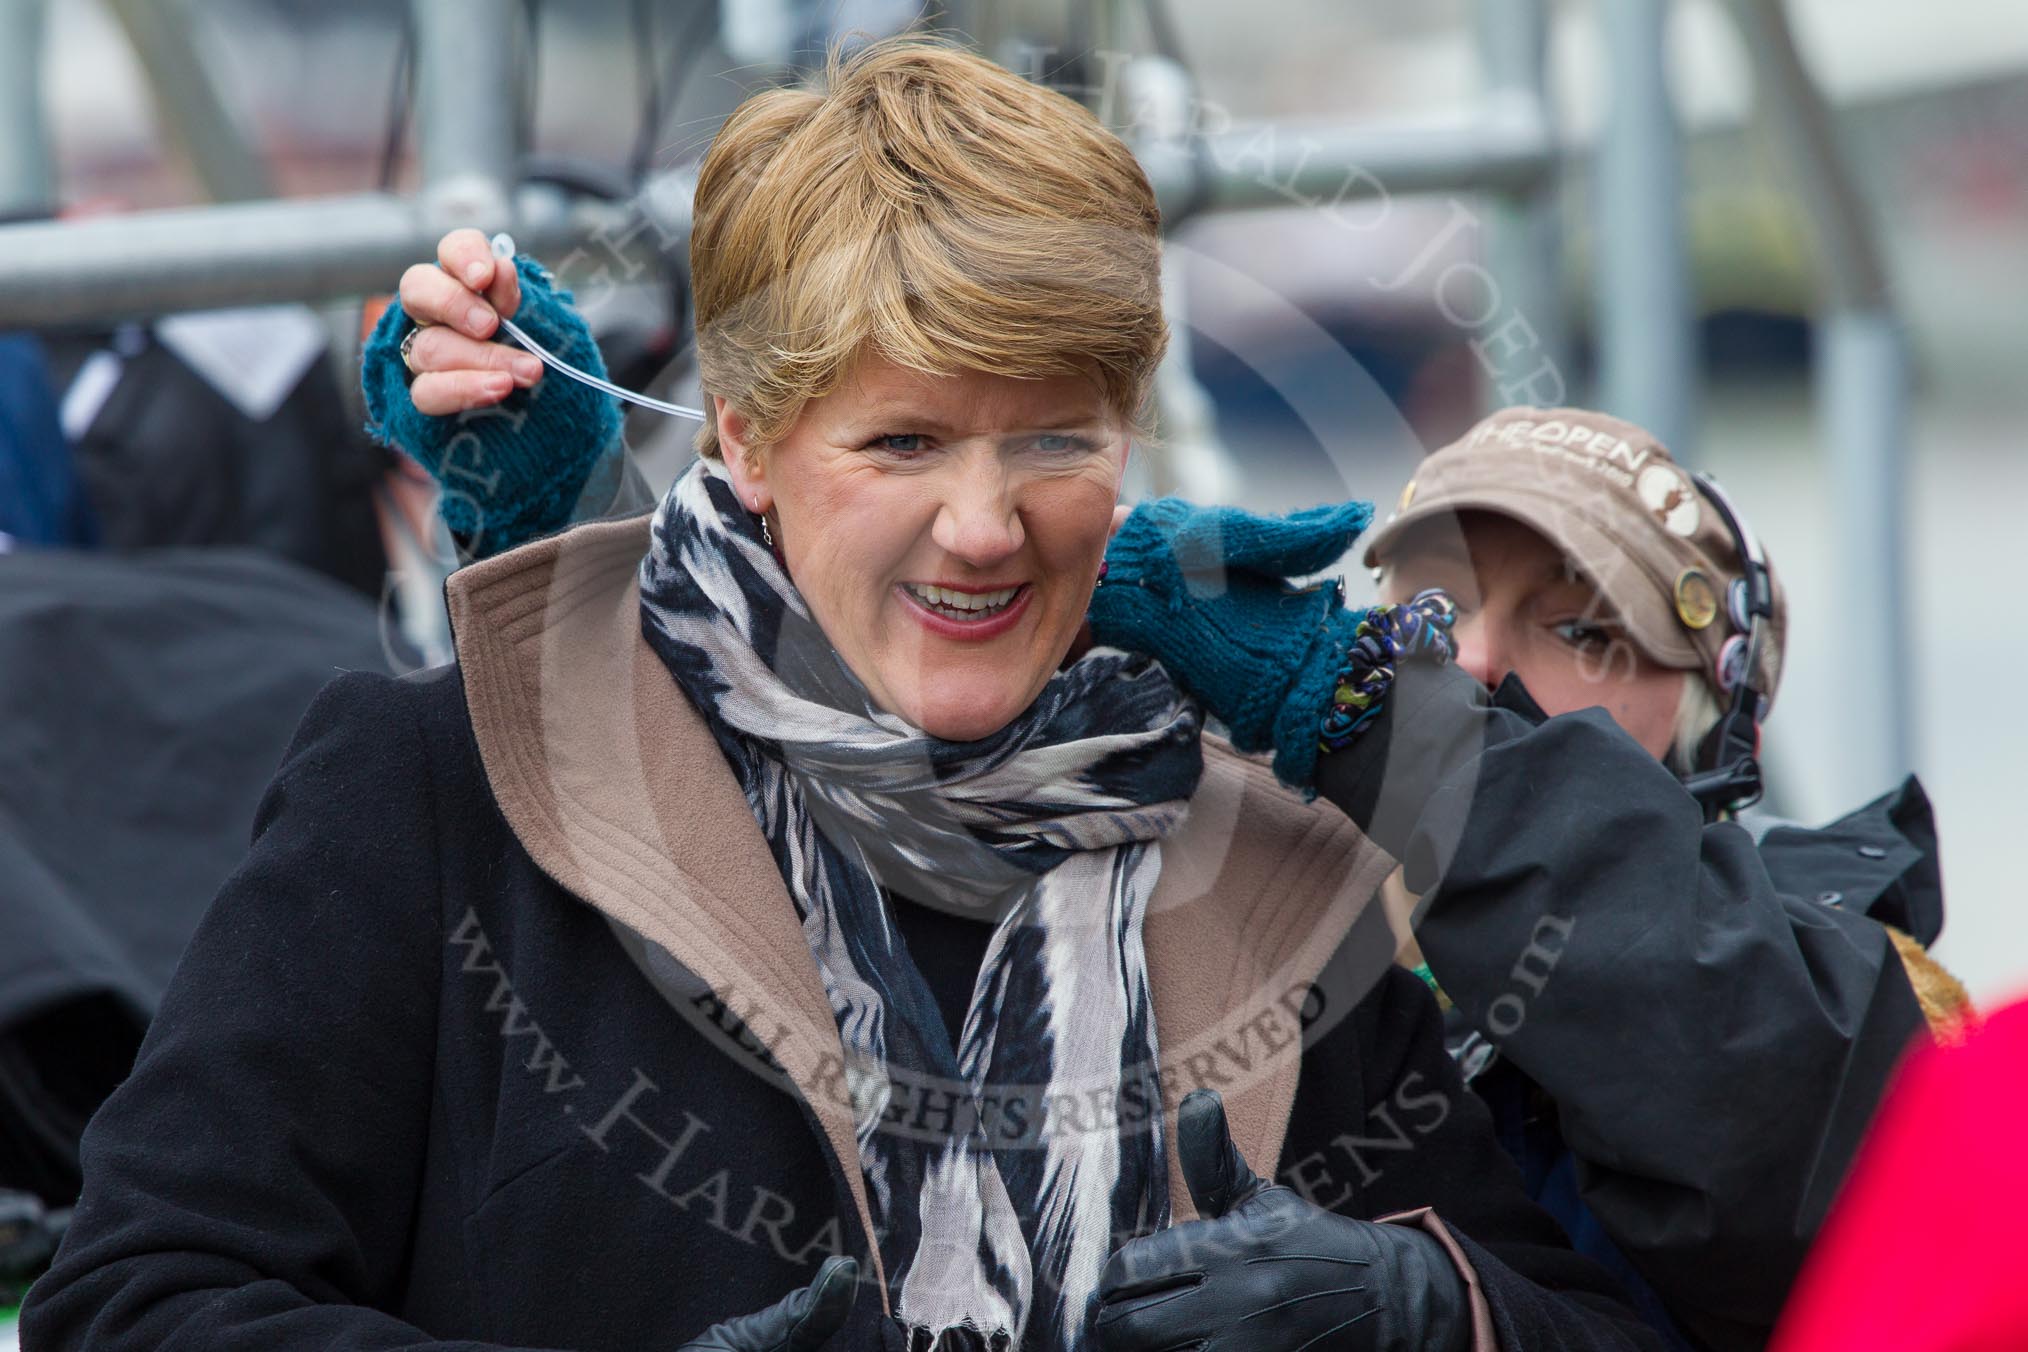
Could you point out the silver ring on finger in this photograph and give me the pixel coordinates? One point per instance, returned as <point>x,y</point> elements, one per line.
<point>408,348</point>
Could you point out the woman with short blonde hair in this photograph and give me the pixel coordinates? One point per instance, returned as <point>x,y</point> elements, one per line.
<point>778,890</point>
<point>934,208</point>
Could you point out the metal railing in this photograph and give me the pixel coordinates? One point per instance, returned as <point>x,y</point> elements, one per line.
<point>316,249</point>
<point>1502,147</point>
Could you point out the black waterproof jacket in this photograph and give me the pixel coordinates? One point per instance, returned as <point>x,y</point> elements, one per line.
<point>144,702</point>
<point>1705,1021</point>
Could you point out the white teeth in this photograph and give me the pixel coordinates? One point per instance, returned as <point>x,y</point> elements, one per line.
<point>971,602</point>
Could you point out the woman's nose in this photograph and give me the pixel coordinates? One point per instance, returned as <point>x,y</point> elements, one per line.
<point>979,520</point>
<point>1480,649</point>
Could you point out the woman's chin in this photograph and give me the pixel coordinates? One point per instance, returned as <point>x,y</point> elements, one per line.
<point>963,693</point>
<point>965,725</point>
<point>966,712</point>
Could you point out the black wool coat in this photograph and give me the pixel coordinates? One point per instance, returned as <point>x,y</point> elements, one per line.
<point>410,1090</point>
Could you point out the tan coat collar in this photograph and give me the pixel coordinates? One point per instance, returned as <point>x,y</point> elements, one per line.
<point>614,786</point>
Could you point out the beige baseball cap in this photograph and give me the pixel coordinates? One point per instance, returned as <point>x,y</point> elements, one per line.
<point>1620,508</point>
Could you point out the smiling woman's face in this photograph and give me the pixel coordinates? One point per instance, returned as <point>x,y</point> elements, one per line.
<point>945,531</point>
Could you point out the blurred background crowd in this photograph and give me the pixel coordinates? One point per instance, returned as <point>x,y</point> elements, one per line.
<point>1673,255</point>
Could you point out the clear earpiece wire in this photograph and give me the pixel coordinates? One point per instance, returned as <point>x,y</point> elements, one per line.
<point>503,247</point>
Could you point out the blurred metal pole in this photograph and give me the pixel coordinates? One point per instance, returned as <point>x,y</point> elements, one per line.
<point>193,116</point>
<point>1788,104</point>
<point>315,249</point>
<point>1110,35</point>
<point>1158,98</point>
<point>27,164</point>
<point>465,93</point>
<point>110,268</point>
<point>1862,392</point>
<point>1524,238</point>
<point>1498,148</point>
<point>1646,322</point>
<point>106,269</point>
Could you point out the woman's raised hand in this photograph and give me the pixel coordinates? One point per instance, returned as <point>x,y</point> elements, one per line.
<point>515,455</point>
<point>1206,592</point>
<point>460,300</point>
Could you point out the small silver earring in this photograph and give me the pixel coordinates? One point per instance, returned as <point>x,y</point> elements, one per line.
<point>766,534</point>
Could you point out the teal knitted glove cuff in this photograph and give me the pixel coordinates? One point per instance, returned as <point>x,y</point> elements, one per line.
<point>1296,740</point>
<point>517,470</point>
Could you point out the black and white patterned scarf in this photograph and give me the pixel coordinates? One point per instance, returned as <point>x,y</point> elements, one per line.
<point>1003,1171</point>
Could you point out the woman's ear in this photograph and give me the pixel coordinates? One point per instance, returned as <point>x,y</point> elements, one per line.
<point>745,466</point>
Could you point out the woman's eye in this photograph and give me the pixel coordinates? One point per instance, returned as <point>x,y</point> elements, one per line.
<point>1582,634</point>
<point>901,443</point>
<point>1055,442</point>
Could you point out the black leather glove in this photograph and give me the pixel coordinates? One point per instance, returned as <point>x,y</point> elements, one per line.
<point>801,1321</point>
<point>1266,1271</point>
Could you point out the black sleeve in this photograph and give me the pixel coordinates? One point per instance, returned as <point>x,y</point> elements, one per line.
<point>251,1184</point>
<point>1542,1292</point>
<point>1715,1048</point>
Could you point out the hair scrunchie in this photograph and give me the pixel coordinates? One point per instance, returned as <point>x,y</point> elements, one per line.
<point>1420,628</point>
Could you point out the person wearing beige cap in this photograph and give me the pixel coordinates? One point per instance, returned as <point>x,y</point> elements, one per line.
<point>1597,569</point>
<point>1679,1028</point>
<point>1683,1059</point>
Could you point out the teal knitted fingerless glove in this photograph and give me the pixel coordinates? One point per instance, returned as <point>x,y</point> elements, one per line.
<point>516,470</point>
<point>1204,591</point>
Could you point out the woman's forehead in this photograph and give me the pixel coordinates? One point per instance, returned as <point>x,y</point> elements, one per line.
<point>960,402</point>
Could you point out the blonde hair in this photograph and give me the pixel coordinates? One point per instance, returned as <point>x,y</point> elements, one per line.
<point>1701,706</point>
<point>1697,713</point>
<point>929,206</point>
